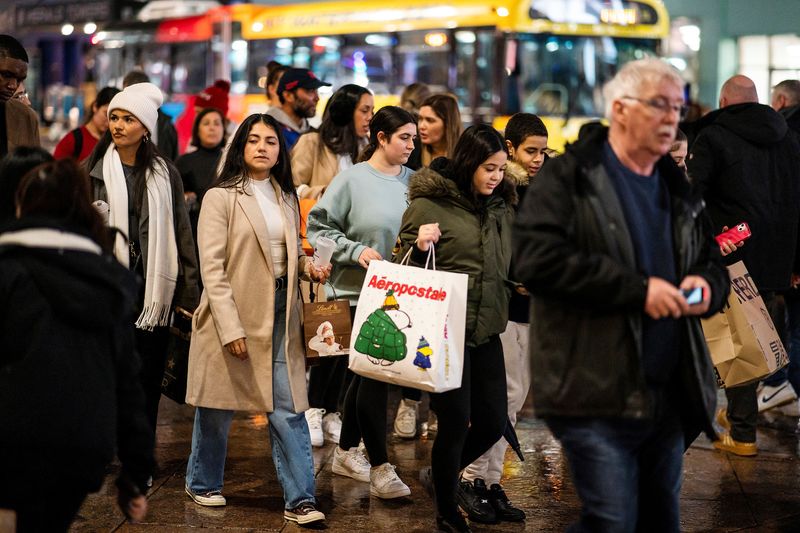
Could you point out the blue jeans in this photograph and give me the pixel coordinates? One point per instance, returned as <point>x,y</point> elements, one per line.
<point>627,472</point>
<point>290,440</point>
<point>792,335</point>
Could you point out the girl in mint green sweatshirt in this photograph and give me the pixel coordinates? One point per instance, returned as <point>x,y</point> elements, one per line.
<point>361,211</point>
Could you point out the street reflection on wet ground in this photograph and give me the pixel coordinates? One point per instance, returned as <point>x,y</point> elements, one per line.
<point>721,492</point>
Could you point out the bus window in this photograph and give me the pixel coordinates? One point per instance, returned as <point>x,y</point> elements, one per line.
<point>475,56</point>
<point>564,75</point>
<point>189,74</point>
<point>418,61</point>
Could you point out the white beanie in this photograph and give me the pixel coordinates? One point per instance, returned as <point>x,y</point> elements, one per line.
<point>142,100</point>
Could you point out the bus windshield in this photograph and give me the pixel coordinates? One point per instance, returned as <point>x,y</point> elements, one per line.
<point>564,75</point>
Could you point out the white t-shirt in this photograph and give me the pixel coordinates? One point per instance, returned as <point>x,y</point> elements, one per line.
<point>271,210</point>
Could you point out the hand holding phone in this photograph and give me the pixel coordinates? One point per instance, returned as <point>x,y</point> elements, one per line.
<point>693,296</point>
<point>736,234</point>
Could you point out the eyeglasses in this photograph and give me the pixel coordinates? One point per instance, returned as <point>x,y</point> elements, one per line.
<point>20,96</point>
<point>662,105</point>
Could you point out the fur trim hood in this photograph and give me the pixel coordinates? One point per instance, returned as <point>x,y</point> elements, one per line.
<point>517,174</point>
<point>437,181</point>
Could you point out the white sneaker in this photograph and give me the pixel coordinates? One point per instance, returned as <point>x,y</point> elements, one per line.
<point>332,427</point>
<point>385,484</point>
<point>351,463</point>
<point>791,409</point>
<point>769,397</point>
<point>207,499</point>
<point>314,420</point>
<point>405,423</point>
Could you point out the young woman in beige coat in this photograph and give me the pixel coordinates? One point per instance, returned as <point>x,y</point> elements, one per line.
<point>247,347</point>
<point>320,155</point>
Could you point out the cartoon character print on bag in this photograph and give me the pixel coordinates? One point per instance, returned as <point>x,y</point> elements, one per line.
<point>380,338</point>
<point>424,353</point>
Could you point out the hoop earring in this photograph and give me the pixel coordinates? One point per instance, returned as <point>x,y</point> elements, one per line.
<point>146,139</point>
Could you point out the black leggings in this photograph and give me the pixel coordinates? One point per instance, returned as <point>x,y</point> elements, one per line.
<point>471,419</point>
<point>152,348</point>
<point>365,407</point>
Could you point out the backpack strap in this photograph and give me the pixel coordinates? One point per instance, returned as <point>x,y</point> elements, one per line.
<point>77,134</point>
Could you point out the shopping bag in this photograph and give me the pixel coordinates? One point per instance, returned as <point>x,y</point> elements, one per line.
<point>326,327</point>
<point>409,326</point>
<point>176,367</point>
<point>742,339</point>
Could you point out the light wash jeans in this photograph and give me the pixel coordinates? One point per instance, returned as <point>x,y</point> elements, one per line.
<point>290,440</point>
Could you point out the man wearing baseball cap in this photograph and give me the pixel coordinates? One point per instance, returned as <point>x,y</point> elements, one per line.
<point>297,91</point>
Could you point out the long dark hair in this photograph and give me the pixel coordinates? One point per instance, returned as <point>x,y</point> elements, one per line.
<point>337,131</point>
<point>196,127</point>
<point>234,171</point>
<point>59,190</point>
<point>147,158</point>
<point>388,120</point>
<point>476,145</point>
<point>13,167</point>
<point>104,97</point>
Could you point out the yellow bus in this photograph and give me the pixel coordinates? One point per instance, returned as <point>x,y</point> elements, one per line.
<point>549,57</point>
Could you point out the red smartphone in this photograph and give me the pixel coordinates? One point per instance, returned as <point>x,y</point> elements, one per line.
<point>736,234</point>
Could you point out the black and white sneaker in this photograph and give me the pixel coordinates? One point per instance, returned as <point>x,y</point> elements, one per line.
<point>213,498</point>
<point>473,500</point>
<point>303,514</point>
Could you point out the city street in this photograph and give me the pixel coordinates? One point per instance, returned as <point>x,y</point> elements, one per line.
<point>721,492</point>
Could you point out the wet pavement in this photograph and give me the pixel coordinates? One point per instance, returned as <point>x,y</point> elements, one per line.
<point>721,492</point>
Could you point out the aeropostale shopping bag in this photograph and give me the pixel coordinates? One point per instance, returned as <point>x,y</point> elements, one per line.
<point>409,326</point>
<point>743,342</point>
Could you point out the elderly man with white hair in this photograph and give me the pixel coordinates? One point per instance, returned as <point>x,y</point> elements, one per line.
<point>610,238</point>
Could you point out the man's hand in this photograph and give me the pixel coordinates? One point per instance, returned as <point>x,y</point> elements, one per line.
<point>664,300</point>
<point>691,282</point>
<point>238,349</point>
<point>368,255</point>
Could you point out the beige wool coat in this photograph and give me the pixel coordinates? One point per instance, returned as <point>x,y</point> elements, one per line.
<point>238,301</point>
<point>313,165</point>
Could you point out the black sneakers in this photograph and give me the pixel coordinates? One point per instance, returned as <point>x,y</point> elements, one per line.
<point>502,507</point>
<point>454,524</point>
<point>473,499</point>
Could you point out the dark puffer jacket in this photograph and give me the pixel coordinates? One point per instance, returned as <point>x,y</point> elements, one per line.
<point>574,253</point>
<point>69,393</point>
<point>476,240</point>
<point>746,165</point>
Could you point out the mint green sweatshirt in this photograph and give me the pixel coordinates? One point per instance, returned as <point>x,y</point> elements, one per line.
<point>360,208</point>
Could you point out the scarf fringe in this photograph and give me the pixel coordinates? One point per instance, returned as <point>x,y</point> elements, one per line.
<point>155,314</point>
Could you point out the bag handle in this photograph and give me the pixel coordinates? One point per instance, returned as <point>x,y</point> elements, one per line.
<point>431,258</point>
<point>312,295</point>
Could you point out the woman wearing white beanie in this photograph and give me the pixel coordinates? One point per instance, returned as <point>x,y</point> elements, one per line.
<point>144,197</point>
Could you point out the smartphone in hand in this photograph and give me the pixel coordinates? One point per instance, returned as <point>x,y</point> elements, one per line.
<point>693,296</point>
<point>735,235</point>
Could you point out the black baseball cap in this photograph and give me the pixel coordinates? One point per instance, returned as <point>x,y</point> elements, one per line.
<point>299,78</point>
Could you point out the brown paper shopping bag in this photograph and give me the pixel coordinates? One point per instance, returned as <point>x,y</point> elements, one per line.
<point>742,340</point>
<point>326,327</point>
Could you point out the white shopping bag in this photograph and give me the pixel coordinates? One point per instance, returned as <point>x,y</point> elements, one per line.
<point>409,326</point>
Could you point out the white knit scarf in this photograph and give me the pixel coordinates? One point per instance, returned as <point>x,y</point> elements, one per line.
<point>161,261</point>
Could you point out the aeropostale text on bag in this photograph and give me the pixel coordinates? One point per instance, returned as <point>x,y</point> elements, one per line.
<point>381,283</point>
